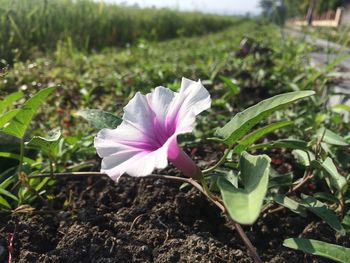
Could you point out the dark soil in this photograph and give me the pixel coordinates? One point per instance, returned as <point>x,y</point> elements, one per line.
<point>148,220</point>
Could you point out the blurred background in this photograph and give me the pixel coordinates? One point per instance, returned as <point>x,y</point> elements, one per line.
<point>99,53</point>
<point>30,26</point>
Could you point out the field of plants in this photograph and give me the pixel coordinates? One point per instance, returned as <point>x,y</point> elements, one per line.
<point>29,27</point>
<point>249,164</point>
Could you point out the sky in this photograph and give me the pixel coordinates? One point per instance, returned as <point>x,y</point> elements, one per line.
<point>208,6</point>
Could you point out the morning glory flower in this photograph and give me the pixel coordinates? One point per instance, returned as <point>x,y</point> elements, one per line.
<point>147,137</point>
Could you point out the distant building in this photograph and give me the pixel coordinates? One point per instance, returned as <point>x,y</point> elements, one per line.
<point>331,18</point>
<point>345,17</point>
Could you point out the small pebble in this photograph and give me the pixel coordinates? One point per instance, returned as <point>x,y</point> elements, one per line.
<point>144,248</point>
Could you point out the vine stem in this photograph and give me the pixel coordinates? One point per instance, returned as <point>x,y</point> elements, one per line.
<point>252,250</point>
<point>221,161</point>
<point>308,176</point>
<point>21,157</point>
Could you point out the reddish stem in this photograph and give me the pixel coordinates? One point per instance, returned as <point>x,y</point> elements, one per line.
<point>10,237</point>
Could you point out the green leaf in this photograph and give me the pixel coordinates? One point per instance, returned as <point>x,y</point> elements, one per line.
<point>244,204</point>
<point>6,183</point>
<point>20,122</point>
<point>242,122</point>
<point>302,157</point>
<point>346,222</point>
<point>342,107</point>
<point>8,194</point>
<point>99,119</point>
<point>319,248</point>
<point>7,116</point>
<point>330,137</point>
<point>42,184</point>
<point>48,145</point>
<point>9,100</point>
<point>321,210</point>
<point>231,177</point>
<point>326,197</point>
<point>256,135</point>
<point>337,180</point>
<point>292,205</point>
<point>231,85</point>
<point>277,180</point>
<point>283,143</point>
<point>16,156</point>
<point>5,204</point>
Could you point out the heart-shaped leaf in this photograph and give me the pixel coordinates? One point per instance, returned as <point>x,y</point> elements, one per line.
<point>244,204</point>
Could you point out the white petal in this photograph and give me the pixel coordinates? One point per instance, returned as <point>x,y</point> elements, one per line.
<point>116,165</point>
<point>143,109</point>
<point>196,97</point>
<point>120,148</point>
<point>160,100</point>
<point>187,123</point>
<point>138,113</point>
<point>192,99</point>
<point>146,164</point>
<point>122,152</point>
<point>125,137</point>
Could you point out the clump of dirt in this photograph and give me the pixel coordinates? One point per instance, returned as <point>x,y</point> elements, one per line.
<point>148,220</point>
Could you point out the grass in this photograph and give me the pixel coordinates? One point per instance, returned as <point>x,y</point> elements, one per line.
<point>32,26</point>
<point>109,78</point>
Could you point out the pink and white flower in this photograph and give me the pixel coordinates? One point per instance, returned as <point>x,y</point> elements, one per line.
<point>147,137</point>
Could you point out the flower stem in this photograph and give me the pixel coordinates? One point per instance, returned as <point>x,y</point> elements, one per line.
<point>184,163</point>
<point>21,157</point>
<point>221,161</point>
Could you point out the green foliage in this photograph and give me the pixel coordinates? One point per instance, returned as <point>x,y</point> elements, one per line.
<point>242,122</point>
<point>303,157</point>
<point>337,180</point>
<point>7,116</point>
<point>99,119</point>
<point>291,204</point>
<point>16,157</point>
<point>330,137</point>
<point>9,100</point>
<point>321,210</point>
<point>36,25</point>
<point>233,87</point>
<point>20,121</point>
<point>251,138</point>
<point>319,248</point>
<point>283,143</point>
<point>244,204</point>
<point>48,145</point>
